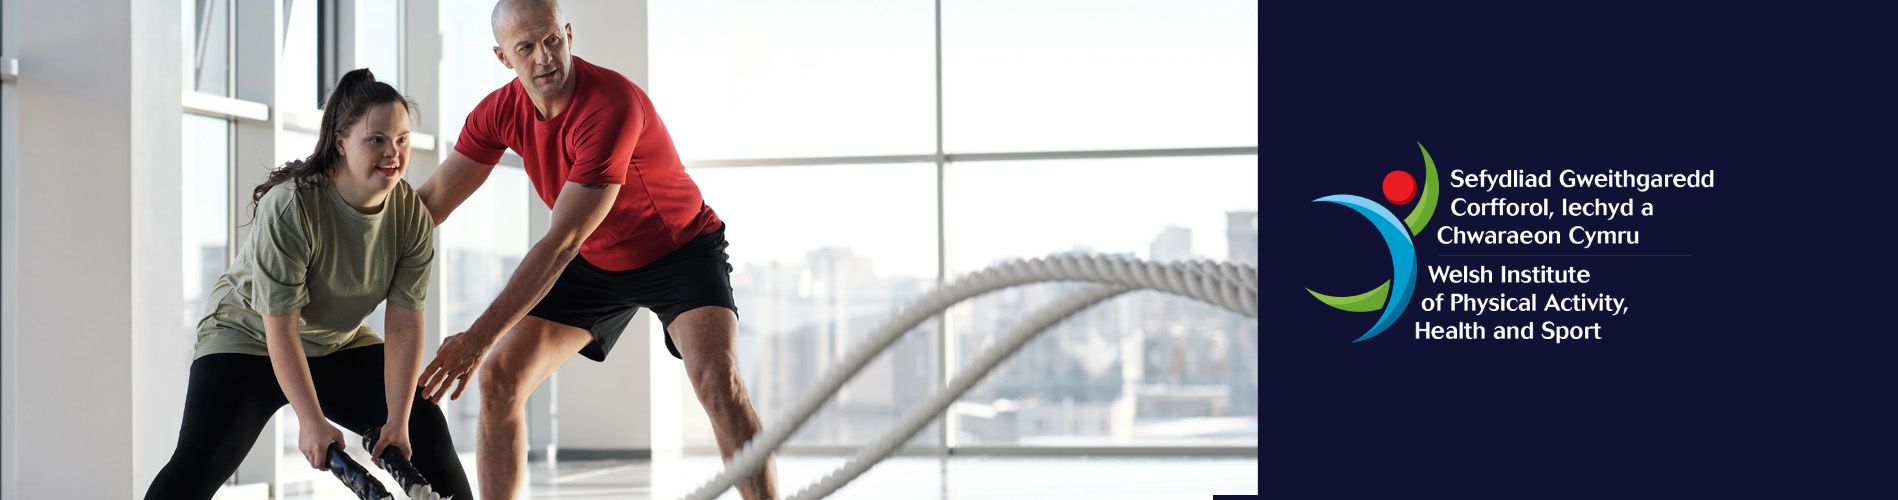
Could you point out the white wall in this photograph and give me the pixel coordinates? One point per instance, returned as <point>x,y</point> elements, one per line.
<point>9,249</point>
<point>161,349</point>
<point>79,336</point>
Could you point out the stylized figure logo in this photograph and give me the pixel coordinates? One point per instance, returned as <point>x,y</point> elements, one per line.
<point>1399,189</point>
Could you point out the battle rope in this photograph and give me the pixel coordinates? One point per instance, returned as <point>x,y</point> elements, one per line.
<point>1228,285</point>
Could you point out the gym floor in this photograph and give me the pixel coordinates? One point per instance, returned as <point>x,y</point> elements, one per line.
<point>898,478</point>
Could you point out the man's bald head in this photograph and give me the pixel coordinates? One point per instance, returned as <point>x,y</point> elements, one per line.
<point>507,12</point>
<point>531,39</point>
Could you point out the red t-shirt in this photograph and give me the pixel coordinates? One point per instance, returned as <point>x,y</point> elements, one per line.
<point>609,134</point>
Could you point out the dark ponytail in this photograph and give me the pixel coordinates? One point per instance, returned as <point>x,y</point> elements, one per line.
<point>354,96</point>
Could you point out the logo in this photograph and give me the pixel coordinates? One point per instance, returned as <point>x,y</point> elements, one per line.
<point>1394,295</point>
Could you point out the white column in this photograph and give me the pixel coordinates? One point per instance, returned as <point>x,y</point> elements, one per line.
<point>9,255</point>
<point>161,347</point>
<point>629,405</point>
<point>80,331</point>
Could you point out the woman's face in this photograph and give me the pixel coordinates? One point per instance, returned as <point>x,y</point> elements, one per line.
<point>376,150</point>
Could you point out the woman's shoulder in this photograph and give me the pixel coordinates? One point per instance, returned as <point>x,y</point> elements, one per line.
<point>408,204</point>
<point>283,198</point>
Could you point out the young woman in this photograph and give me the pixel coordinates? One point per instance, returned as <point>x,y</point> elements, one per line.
<point>334,235</point>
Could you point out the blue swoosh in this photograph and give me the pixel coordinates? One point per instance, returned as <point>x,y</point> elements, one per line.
<point>1403,257</point>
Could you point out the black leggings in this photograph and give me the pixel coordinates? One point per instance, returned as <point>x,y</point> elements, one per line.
<point>232,396</point>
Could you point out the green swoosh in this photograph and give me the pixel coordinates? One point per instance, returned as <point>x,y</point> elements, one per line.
<point>1426,203</point>
<point>1363,302</point>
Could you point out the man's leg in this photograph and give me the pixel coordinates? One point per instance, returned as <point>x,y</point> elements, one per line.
<point>519,362</point>
<point>706,339</point>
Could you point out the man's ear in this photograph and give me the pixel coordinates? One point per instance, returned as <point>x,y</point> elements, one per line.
<point>502,58</point>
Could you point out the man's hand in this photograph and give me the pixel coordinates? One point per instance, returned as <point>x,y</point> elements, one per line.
<point>454,362</point>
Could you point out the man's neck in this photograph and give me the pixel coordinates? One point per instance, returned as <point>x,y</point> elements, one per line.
<point>551,106</point>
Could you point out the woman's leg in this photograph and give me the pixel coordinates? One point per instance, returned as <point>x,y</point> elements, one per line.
<point>349,385</point>
<point>229,399</point>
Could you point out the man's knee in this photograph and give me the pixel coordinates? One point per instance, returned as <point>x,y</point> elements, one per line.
<point>716,379</point>
<point>501,385</point>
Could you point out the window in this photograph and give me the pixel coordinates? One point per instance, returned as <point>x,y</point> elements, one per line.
<point>761,79</point>
<point>1039,103</point>
<point>466,39</point>
<point>206,161</point>
<point>379,35</point>
<point>299,87</point>
<point>1099,75</point>
<point>821,256</point>
<point>206,197</point>
<point>207,46</point>
<point>1141,369</point>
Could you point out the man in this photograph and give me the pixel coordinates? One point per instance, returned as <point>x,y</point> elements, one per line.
<point>629,230</point>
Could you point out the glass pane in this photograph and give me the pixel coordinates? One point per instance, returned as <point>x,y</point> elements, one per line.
<point>379,37</point>
<point>206,215</point>
<point>1092,74</point>
<point>207,45</point>
<point>480,247</point>
<point>1141,369</point>
<point>751,79</point>
<point>292,145</point>
<point>298,67</point>
<point>468,55</point>
<point>821,256</point>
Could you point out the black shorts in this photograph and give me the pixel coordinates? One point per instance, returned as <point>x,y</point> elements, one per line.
<point>602,302</point>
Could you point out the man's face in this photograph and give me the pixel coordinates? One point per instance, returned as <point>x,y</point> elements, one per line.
<point>535,47</point>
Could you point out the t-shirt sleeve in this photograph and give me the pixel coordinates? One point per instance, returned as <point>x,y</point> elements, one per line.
<point>481,133</point>
<point>409,289</point>
<point>281,249</point>
<point>603,146</point>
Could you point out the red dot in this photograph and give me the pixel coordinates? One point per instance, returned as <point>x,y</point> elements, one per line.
<point>1399,187</point>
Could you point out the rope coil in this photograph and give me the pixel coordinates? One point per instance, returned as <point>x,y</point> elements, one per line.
<point>1231,286</point>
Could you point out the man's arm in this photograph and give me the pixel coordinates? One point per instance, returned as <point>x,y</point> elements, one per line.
<point>453,183</point>
<point>577,213</point>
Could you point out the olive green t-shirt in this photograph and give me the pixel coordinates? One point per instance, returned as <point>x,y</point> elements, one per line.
<point>309,251</point>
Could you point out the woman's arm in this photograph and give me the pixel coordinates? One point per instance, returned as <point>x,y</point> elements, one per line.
<point>293,375</point>
<point>402,361</point>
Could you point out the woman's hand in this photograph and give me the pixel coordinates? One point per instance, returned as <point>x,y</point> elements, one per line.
<point>392,434</point>
<point>314,440</point>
